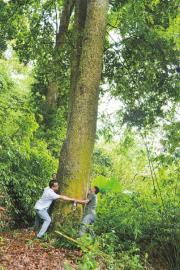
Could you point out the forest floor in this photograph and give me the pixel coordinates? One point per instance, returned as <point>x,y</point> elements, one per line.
<point>19,252</point>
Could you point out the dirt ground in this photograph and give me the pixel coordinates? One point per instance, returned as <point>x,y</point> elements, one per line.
<point>19,251</point>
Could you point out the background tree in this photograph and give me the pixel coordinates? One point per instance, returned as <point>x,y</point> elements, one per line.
<point>141,62</point>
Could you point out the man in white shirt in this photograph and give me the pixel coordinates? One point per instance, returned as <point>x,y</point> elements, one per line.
<point>43,204</point>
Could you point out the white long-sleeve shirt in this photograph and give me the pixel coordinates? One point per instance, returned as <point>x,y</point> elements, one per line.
<point>46,199</point>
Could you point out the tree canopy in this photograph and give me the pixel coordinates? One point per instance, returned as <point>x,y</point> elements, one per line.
<point>59,62</point>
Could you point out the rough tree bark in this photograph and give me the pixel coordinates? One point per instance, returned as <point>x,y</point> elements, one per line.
<point>76,153</point>
<point>52,90</point>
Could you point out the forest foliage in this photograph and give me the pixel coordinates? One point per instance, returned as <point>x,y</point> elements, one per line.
<point>136,169</point>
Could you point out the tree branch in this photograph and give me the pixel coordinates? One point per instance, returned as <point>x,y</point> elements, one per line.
<point>64,22</point>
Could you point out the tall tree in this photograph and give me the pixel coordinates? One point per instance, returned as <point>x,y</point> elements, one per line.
<point>76,153</point>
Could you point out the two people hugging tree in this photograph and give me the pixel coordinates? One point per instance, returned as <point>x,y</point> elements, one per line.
<point>50,194</point>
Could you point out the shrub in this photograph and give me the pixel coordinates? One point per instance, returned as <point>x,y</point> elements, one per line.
<point>25,162</point>
<point>141,219</point>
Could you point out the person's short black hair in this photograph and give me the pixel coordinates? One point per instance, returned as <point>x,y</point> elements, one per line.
<point>52,182</point>
<point>97,190</point>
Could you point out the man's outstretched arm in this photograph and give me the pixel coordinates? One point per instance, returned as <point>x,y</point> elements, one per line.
<point>65,198</point>
<point>82,201</point>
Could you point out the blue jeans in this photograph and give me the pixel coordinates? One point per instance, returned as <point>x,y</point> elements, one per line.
<point>87,220</point>
<point>42,215</point>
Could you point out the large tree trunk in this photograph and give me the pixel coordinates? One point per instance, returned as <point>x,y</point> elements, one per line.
<point>52,90</point>
<point>76,153</point>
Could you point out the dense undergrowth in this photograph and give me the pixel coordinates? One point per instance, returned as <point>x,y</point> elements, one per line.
<point>26,163</point>
<point>137,210</point>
